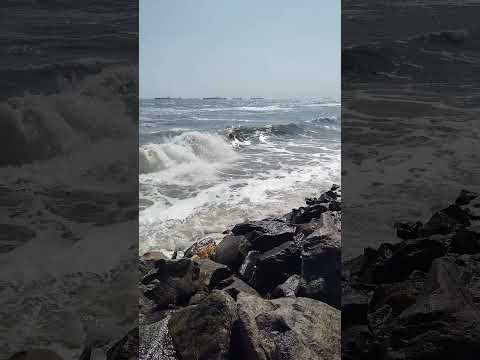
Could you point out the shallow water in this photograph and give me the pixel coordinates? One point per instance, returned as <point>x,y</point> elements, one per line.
<point>208,164</point>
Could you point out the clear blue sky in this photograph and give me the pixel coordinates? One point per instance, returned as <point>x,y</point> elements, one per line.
<point>269,48</point>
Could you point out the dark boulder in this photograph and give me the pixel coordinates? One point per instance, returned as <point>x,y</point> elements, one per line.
<point>126,348</point>
<point>231,251</point>
<point>466,241</point>
<point>202,332</point>
<point>211,273</point>
<point>465,197</point>
<point>409,230</point>
<point>248,268</point>
<point>446,221</point>
<point>355,300</point>
<point>233,286</point>
<point>275,266</point>
<point>172,283</point>
<point>305,214</point>
<point>266,234</point>
<point>358,343</point>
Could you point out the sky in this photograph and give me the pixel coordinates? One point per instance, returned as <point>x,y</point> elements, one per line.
<point>245,48</point>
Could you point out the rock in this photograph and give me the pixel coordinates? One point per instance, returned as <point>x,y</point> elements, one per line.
<point>409,230</point>
<point>211,273</point>
<point>335,206</point>
<point>231,251</point>
<point>288,288</point>
<point>172,283</point>
<point>233,286</point>
<point>398,296</point>
<point>86,353</point>
<point>466,241</point>
<point>287,328</point>
<point>321,263</point>
<point>275,266</point>
<point>358,343</point>
<point>395,262</point>
<point>266,234</point>
<point>126,348</point>
<point>446,221</point>
<point>198,298</point>
<point>465,197</point>
<point>443,323</point>
<point>13,236</point>
<point>354,304</point>
<point>204,249</point>
<point>305,214</point>
<point>473,209</point>
<point>248,267</point>
<point>36,354</point>
<point>202,332</point>
<point>156,342</point>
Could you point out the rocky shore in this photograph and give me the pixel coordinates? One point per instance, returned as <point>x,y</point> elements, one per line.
<point>418,298</point>
<point>269,290</point>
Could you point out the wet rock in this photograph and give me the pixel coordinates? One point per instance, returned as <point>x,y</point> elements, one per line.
<point>202,332</point>
<point>156,342</point>
<point>203,249</point>
<point>172,282</point>
<point>409,230</point>
<point>13,236</point>
<point>305,214</point>
<point>358,343</point>
<point>443,323</point>
<point>233,286</point>
<point>211,273</point>
<point>275,266</point>
<point>321,263</point>
<point>395,262</point>
<point>446,221</point>
<point>287,328</point>
<point>126,348</point>
<point>231,251</point>
<point>466,241</point>
<point>354,304</point>
<point>465,197</point>
<point>288,288</point>
<point>249,266</point>
<point>266,234</point>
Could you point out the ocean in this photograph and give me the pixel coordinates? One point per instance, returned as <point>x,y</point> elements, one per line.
<point>206,165</point>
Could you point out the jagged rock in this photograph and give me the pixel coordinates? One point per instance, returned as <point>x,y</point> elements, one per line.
<point>358,343</point>
<point>409,230</point>
<point>248,267</point>
<point>443,323</point>
<point>287,329</point>
<point>202,332</point>
<point>395,262</point>
<point>198,298</point>
<point>211,273</point>
<point>288,288</point>
<point>266,234</point>
<point>355,299</point>
<point>156,342</point>
<point>172,282</point>
<point>126,348</point>
<point>203,249</point>
<point>398,296</point>
<point>446,221</point>
<point>465,197</point>
<point>233,286</point>
<point>275,266</point>
<point>466,241</point>
<point>305,214</point>
<point>231,251</point>
<point>321,263</point>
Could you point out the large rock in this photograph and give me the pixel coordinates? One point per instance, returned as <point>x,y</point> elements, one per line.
<point>358,343</point>
<point>211,273</point>
<point>466,241</point>
<point>275,266</point>
<point>355,300</point>
<point>444,322</point>
<point>233,286</point>
<point>288,288</point>
<point>156,342</point>
<point>286,329</point>
<point>202,332</point>
<point>172,282</point>
<point>231,251</point>
<point>321,263</point>
<point>203,249</point>
<point>266,234</point>
<point>305,214</point>
<point>249,266</point>
<point>126,348</point>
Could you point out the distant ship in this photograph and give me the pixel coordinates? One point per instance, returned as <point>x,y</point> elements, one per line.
<point>257,98</point>
<point>214,98</point>
<point>167,98</point>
